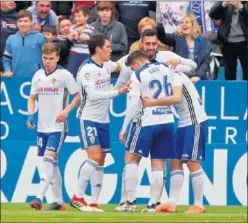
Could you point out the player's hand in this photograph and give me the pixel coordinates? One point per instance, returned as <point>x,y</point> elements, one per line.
<point>30,122</point>
<point>173,63</point>
<point>148,102</point>
<point>62,116</point>
<point>126,88</point>
<point>195,79</point>
<point>8,74</point>
<point>122,136</point>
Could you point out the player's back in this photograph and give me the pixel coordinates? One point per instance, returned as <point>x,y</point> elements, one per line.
<point>190,110</point>
<point>98,78</point>
<point>156,81</point>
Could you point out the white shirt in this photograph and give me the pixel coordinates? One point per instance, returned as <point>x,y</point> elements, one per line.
<point>53,97</point>
<point>186,66</point>
<point>94,81</point>
<point>151,80</point>
<point>190,110</point>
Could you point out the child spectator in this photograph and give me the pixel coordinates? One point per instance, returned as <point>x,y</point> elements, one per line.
<point>81,33</point>
<point>64,27</point>
<point>108,25</point>
<point>63,45</point>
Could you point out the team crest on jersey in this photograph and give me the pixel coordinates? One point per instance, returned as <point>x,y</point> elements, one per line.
<point>87,76</point>
<point>92,139</point>
<point>54,80</point>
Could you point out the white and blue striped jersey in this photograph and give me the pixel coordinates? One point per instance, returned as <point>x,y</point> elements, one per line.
<point>94,81</point>
<point>80,46</point>
<point>53,96</point>
<point>190,110</point>
<point>152,80</point>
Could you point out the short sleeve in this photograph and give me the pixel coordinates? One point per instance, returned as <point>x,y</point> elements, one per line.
<point>135,86</point>
<point>177,80</point>
<point>34,85</point>
<point>111,66</point>
<point>85,77</point>
<point>71,84</point>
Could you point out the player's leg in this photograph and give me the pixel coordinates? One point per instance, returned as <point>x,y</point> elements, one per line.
<point>56,183</point>
<point>196,153</point>
<point>96,178</point>
<point>51,142</point>
<point>90,142</point>
<point>161,150</point>
<point>123,200</point>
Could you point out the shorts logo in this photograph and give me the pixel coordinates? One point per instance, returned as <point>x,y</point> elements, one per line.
<point>92,139</point>
<point>51,148</point>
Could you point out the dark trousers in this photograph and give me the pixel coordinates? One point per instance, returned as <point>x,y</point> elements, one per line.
<point>232,52</point>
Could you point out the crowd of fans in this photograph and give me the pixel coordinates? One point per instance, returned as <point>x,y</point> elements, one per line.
<point>26,26</point>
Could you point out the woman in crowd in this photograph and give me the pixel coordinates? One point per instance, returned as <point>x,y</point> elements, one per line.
<point>188,42</point>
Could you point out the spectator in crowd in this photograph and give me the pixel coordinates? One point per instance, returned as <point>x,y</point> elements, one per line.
<point>108,25</point>
<point>130,13</point>
<point>64,27</point>
<point>189,43</point>
<point>233,35</point>
<point>62,8</point>
<point>43,14</point>
<point>63,45</point>
<point>8,25</point>
<point>81,32</point>
<point>144,24</point>
<point>22,54</point>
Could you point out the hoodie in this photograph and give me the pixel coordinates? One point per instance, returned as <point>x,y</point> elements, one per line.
<point>117,34</point>
<point>22,54</point>
<point>8,27</point>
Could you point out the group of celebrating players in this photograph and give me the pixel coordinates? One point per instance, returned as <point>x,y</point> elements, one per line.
<point>158,89</point>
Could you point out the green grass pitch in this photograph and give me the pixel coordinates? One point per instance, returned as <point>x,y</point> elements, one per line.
<point>11,212</point>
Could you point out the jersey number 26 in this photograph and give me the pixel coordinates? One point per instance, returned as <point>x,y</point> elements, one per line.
<point>156,84</point>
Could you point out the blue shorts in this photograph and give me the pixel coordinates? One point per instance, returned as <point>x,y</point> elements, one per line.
<point>94,134</point>
<point>50,141</point>
<point>190,142</point>
<point>158,140</point>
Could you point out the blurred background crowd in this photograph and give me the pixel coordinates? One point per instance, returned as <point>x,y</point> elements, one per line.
<point>214,34</point>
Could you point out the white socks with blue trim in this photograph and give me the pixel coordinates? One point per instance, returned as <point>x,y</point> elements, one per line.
<point>85,172</point>
<point>96,180</point>
<point>197,178</point>
<point>157,184</point>
<point>131,180</point>
<point>48,168</point>
<point>176,182</point>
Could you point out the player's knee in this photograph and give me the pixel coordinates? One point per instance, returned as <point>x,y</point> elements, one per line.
<point>50,154</point>
<point>132,158</point>
<point>176,165</point>
<point>97,157</point>
<point>193,165</point>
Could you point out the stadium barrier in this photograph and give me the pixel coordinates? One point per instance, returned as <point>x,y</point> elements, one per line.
<point>226,152</point>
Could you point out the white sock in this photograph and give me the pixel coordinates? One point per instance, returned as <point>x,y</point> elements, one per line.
<point>197,178</point>
<point>85,173</point>
<point>176,182</point>
<point>123,188</point>
<point>48,168</point>
<point>131,180</point>
<point>56,185</point>
<point>157,183</point>
<point>96,183</point>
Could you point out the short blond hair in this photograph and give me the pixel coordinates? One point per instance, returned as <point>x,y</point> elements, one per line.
<point>49,48</point>
<point>146,21</point>
<point>196,31</point>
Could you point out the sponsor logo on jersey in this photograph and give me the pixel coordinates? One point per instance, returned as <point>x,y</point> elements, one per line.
<point>161,111</point>
<point>103,81</point>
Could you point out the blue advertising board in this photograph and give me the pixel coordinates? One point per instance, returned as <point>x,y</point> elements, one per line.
<point>226,154</point>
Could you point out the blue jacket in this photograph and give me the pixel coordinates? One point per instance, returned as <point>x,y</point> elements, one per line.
<point>22,54</point>
<point>202,49</point>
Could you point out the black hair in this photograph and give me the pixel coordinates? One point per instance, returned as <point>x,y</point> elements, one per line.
<point>148,32</point>
<point>96,40</point>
